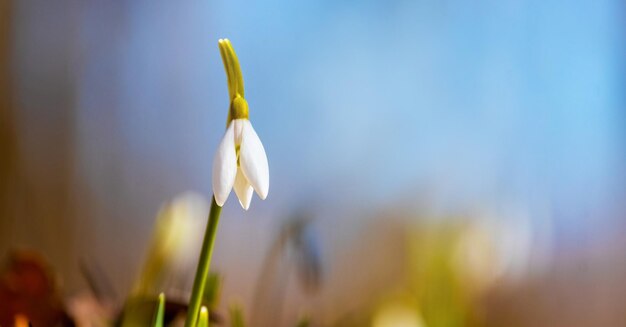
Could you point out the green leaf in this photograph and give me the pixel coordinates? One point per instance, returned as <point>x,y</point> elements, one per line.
<point>158,316</point>
<point>204,317</point>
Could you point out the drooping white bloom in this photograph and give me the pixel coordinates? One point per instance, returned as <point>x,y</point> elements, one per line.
<point>240,163</point>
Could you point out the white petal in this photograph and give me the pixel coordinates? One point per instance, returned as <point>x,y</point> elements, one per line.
<point>238,125</point>
<point>224,167</point>
<point>253,160</point>
<point>243,189</point>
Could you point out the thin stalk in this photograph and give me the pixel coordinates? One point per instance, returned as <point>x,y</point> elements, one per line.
<point>204,264</point>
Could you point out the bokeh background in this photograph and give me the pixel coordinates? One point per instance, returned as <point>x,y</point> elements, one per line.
<point>459,163</point>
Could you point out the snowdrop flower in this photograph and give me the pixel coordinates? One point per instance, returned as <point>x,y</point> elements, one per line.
<point>240,161</point>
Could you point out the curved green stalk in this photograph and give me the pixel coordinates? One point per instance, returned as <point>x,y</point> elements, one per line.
<point>236,68</point>
<point>204,264</point>
<point>234,77</point>
<point>228,67</point>
<point>233,70</point>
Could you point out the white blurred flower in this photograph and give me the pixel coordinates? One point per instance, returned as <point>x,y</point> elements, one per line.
<point>174,248</point>
<point>398,315</point>
<point>240,162</point>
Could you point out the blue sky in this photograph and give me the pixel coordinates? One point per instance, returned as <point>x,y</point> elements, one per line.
<point>371,101</point>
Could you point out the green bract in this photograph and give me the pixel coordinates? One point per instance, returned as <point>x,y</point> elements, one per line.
<point>238,108</point>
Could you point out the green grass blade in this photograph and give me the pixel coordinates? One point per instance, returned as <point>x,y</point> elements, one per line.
<point>158,316</point>
<point>204,317</point>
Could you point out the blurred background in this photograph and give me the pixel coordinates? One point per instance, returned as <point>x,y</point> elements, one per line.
<point>432,163</point>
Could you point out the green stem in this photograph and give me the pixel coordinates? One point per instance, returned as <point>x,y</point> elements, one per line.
<point>203,266</point>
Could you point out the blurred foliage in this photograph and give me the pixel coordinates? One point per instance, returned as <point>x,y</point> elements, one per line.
<point>28,290</point>
<point>435,280</point>
<point>212,291</point>
<point>236,316</point>
<point>304,322</point>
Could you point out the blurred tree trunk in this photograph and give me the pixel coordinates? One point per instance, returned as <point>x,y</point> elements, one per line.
<point>36,132</point>
<point>8,144</point>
